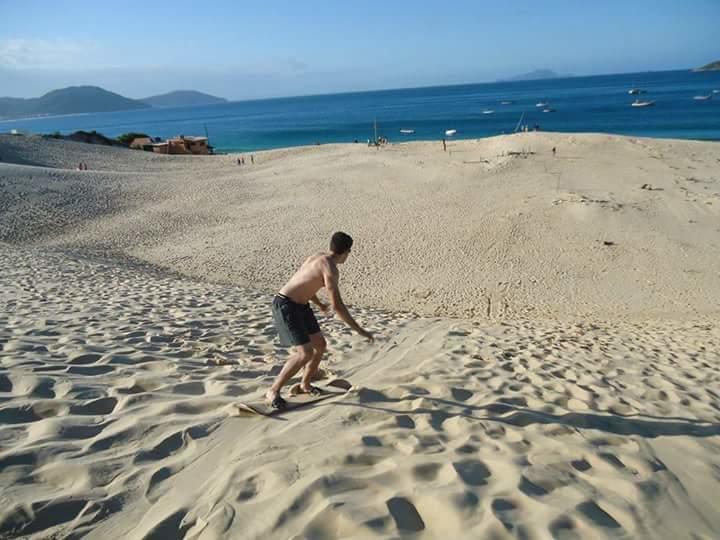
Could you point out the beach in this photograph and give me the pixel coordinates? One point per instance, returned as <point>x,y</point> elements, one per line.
<point>545,364</point>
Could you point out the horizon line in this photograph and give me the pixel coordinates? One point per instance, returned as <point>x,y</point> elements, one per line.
<point>367,91</point>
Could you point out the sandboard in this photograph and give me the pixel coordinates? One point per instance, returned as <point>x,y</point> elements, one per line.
<point>295,400</point>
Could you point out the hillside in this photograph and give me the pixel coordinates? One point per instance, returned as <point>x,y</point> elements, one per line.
<point>509,236</point>
<point>712,66</point>
<point>71,100</point>
<point>182,98</point>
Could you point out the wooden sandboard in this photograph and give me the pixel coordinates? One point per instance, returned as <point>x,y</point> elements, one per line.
<point>295,400</point>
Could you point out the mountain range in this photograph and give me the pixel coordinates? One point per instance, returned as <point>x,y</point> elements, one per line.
<point>91,99</point>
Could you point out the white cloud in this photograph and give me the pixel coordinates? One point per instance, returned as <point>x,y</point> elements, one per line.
<point>49,54</point>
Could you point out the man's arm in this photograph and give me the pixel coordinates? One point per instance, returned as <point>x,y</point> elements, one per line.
<point>315,300</point>
<point>331,284</point>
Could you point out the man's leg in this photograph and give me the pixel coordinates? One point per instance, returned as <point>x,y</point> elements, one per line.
<point>319,347</point>
<point>302,355</point>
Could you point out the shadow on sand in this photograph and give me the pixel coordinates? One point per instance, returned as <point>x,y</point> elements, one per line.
<point>638,424</point>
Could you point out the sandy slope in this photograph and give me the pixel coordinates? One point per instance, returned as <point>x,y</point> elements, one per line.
<point>118,379</point>
<point>473,232</point>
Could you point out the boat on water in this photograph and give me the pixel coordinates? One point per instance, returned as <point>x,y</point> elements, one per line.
<point>407,131</point>
<point>716,91</point>
<point>506,102</point>
<point>636,91</point>
<point>548,110</point>
<point>542,104</point>
<point>641,103</point>
<point>703,98</point>
<point>450,132</point>
<point>488,111</point>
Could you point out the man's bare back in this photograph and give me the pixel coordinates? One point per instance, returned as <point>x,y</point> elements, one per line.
<point>318,271</point>
<point>310,278</point>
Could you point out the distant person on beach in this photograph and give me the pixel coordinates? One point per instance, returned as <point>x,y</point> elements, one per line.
<point>444,146</point>
<point>554,150</point>
<point>252,159</point>
<point>295,321</point>
<point>239,162</point>
<point>242,160</point>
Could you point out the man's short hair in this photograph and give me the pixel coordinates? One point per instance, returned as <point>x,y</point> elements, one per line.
<point>340,243</point>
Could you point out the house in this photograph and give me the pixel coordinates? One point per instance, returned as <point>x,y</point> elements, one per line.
<point>183,145</point>
<point>142,143</point>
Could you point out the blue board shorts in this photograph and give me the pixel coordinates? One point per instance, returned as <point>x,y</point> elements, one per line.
<point>295,323</point>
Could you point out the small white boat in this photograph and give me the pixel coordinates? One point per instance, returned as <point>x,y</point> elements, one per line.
<point>542,104</point>
<point>640,103</point>
<point>407,131</point>
<point>703,98</point>
<point>488,111</point>
<point>548,110</point>
<point>635,91</point>
<point>506,102</point>
<point>450,132</point>
<point>716,91</point>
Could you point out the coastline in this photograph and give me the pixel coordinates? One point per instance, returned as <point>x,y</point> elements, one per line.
<point>7,120</point>
<point>585,104</point>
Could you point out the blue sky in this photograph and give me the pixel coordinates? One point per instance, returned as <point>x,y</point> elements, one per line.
<point>249,49</point>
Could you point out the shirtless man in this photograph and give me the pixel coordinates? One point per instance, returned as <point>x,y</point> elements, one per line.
<point>296,323</point>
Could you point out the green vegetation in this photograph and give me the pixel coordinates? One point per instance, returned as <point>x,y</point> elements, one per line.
<point>127,138</point>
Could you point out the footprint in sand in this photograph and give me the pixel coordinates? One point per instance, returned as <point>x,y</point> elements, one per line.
<point>405,515</point>
<point>472,472</point>
<point>597,515</point>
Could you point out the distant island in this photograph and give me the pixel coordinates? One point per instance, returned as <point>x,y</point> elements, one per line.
<point>536,75</point>
<point>182,98</point>
<point>712,66</point>
<point>92,99</point>
<point>71,100</point>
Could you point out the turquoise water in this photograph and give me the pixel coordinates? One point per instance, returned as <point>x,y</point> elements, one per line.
<point>581,104</point>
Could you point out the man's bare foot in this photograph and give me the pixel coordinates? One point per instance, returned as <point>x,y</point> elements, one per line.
<point>310,389</point>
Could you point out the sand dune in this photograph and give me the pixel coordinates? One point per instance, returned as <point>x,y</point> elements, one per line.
<point>134,316</point>
<point>475,232</point>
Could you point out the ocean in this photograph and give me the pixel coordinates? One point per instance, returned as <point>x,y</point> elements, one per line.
<point>580,104</point>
